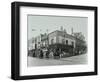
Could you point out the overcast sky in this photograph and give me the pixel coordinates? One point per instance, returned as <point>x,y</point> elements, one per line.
<point>39,24</point>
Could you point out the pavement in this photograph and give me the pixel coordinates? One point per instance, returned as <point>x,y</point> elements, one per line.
<point>74,60</point>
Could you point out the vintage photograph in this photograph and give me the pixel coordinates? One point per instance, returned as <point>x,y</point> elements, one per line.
<point>53,40</point>
<point>56,40</point>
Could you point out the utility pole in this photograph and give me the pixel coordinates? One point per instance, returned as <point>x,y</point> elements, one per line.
<point>47,38</point>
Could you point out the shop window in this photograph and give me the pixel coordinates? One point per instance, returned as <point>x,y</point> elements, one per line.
<point>63,41</point>
<point>73,44</point>
<point>66,42</point>
<point>52,41</point>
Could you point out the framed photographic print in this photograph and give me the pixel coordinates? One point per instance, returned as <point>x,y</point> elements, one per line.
<point>53,40</point>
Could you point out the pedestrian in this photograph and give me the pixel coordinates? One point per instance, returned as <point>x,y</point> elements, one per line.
<point>54,53</point>
<point>33,53</point>
<point>47,53</point>
<point>41,54</point>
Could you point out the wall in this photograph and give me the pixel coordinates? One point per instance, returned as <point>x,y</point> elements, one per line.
<point>69,40</point>
<point>5,40</point>
<point>52,36</point>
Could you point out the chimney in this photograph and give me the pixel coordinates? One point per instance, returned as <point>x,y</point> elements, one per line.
<point>72,30</point>
<point>61,28</point>
<point>65,30</point>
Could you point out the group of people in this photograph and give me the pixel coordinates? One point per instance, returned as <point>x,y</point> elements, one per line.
<point>47,53</point>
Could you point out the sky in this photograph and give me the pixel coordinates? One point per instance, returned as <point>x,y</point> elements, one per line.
<point>39,24</point>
